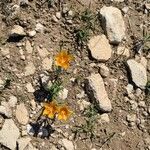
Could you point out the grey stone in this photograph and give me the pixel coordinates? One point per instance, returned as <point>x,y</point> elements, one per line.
<point>9,134</point>
<point>113,24</point>
<point>138,73</point>
<point>97,92</point>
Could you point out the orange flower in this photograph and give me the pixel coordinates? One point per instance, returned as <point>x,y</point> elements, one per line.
<point>50,109</point>
<point>63,59</point>
<point>64,113</point>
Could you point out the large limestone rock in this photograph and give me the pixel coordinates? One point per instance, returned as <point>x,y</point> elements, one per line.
<point>97,92</point>
<point>113,24</point>
<point>100,48</point>
<point>9,134</point>
<point>138,73</point>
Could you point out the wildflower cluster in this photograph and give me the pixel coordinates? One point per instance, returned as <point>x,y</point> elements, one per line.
<point>52,109</point>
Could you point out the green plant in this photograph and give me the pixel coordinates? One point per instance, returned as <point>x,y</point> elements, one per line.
<point>141,44</point>
<point>54,89</point>
<point>89,125</point>
<point>148,86</point>
<point>82,33</point>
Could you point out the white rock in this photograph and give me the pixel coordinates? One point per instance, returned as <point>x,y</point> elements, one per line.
<point>104,118</point>
<point>30,69</point>
<point>113,24</point>
<point>58,15</point>
<point>121,50</point>
<point>32,33</point>
<point>23,142</point>
<point>54,18</point>
<point>83,104</point>
<point>104,70</point>
<point>138,91</point>
<point>42,52</point>
<point>133,104</point>
<point>63,94</point>
<point>138,73</point>
<point>100,48</point>
<point>129,88</point>
<point>17,31</point>
<point>12,101</point>
<point>22,114</point>
<point>39,28</point>
<point>68,144</point>
<point>4,51</point>
<point>5,109</point>
<point>131,118</point>
<point>9,134</point>
<point>125,9</point>
<point>30,88</point>
<point>30,130</point>
<point>29,48</point>
<point>47,63</point>
<point>142,104</point>
<point>2,84</point>
<point>96,90</point>
<point>80,95</point>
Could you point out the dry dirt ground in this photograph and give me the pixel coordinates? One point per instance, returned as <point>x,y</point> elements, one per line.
<point>115,133</point>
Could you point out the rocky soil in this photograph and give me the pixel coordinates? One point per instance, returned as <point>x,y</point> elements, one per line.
<point>107,86</point>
